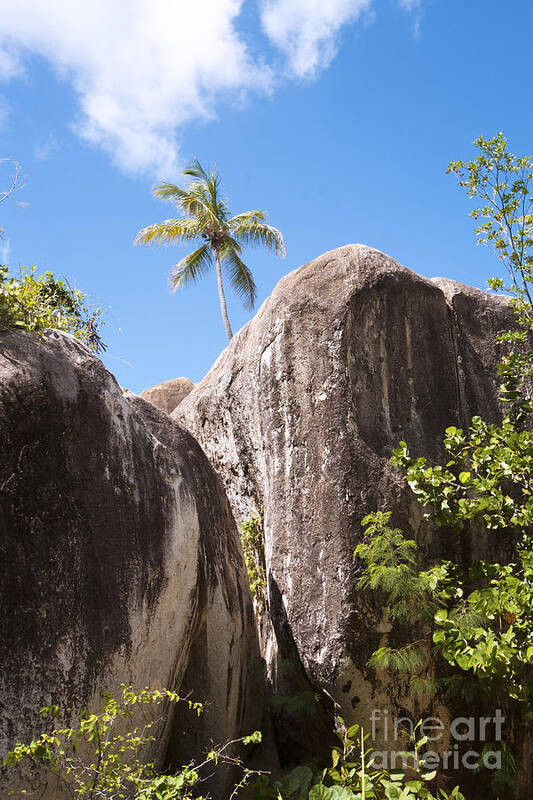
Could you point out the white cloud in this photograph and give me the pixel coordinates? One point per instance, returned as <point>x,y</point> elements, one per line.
<point>10,66</point>
<point>414,6</point>
<point>141,68</point>
<point>46,149</point>
<point>5,251</point>
<point>307,30</point>
<point>5,111</point>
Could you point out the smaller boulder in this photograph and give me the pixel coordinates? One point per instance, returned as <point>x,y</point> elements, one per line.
<point>168,395</point>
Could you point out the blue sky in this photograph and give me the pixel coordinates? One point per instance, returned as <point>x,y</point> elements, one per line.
<point>338,117</point>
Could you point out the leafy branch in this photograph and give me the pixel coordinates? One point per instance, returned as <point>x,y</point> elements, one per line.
<point>102,757</point>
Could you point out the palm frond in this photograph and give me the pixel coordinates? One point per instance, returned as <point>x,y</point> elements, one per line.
<point>207,185</point>
<point>217,201</point>
<point>208,194</point>
<point>214,212</point>
<point>195,200</point>
<point>240,276</point>
<point>182,198</point>
<point>231,242</point>
<point>169,191</point>
<point>252,217</point>
<point>257,234</point>
<point>191,268</point>
<point>195,170</point>
<point>171,231</point>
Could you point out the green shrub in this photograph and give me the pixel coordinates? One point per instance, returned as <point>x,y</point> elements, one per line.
<point>37,303</point>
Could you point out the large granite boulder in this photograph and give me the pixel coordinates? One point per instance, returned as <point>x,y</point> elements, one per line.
<point>121,561</point>
<point>169,394</point>
<point>299,415</point>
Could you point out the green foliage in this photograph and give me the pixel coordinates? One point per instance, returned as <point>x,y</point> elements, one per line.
<point>487,477</point>
<point>353,776</point>
<point>253,545</point>
<point>502,182</point>
<point>487,628</point>
<point>480,618</point>
<point>392,568</point>
<point>38,303</point>
<point>101,758</point>
<point>294,785</point>
<point>482,613</point>
<point>477,616</point>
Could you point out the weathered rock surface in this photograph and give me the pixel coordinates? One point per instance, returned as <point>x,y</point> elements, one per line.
<point>300,414</point>
<point>119,554</point>
<point>169,394</point>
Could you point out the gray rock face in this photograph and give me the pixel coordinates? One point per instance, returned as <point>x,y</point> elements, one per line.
<point>120,557</point>
<point>300,414</point>
<point>169,394</point>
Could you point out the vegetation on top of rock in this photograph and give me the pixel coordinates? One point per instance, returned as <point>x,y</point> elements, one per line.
<point>207,217</point>
<point>37,303</point>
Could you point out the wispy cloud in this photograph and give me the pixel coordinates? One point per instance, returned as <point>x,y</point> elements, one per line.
<point>10,63</point>
<point>5,251</point>
<point>414,6</point>
<point>4,112</point>
<point>46,149</point>
<point>307,30</point>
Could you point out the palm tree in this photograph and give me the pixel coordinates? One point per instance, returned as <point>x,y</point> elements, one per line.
<point>207,217</point>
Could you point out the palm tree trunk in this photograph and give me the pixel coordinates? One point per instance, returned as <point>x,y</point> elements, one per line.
<point>222,298</point>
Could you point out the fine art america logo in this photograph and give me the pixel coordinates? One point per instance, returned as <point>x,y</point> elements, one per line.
<point>388,728</point>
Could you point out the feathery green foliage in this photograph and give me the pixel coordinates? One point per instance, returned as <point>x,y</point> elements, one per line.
<point>207,218</point>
